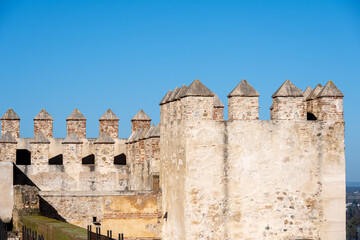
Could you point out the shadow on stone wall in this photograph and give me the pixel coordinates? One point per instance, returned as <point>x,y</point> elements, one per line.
<point>28,201</point>
<point>49,211</point>
<point>20,178</point>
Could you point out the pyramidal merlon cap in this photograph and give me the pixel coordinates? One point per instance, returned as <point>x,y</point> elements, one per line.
<point>148,134</point>
<point>217,102</point>
<point>288,89</point>
<point>166,98</point>
<point>72,138</point>
<point>132,136</point>
<point>109,115</point>
<point>104,138</point>
<point>43,115</point>
<point>243,89</point>
<point>40,138</point>
<point>10,115</point>
<point>141,116</point>
<point>143,135</point>
<point>173,95</point>
<point>307,92</point>
<point>196,88</point>
<point>156,131</point>
<point>315,92</point>
<point>76,115</point>
<point>330,90</point>
<point>139,133</point>
<point>7,138</point>
<point>181,92</point>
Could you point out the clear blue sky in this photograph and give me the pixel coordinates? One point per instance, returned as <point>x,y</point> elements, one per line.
<point>125,55</point>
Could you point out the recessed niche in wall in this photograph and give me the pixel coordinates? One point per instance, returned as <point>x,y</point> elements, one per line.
<point>311,116</point>
<point>120,159</point>
<point>23,157</point>
<point>90,159</point>
<point>155,183</point>
<point>57,160</point>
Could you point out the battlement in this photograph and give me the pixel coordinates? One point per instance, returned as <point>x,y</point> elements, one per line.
<point>237,165</point>
<point>81,163</point>
<point>212,173</point>
<point>289,103</point>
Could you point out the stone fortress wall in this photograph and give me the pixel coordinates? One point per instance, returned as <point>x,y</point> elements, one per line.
<point>241,178</point>
<point>77,163</point>
<point>115,180</point>
<point>246,178</point>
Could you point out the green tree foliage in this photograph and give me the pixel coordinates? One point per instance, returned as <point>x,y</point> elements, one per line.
<point>352,229</point>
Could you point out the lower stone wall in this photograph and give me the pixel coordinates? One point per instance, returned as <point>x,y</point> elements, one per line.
<point>135,214</point>
<point>26,203</point>
<point>52,229</point>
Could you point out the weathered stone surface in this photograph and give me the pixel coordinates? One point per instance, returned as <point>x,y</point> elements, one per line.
<point>72,139</point>
<point>128,212</point>
<point>330,90</point>
<point>40,138</point>
<point>220,178</point>
<point>312,101</point>
<point>8,151</point>
<point>43,122</point>
<point>140,120</point>
<point>156,131</point>
<point>43,115</point>
<point>166,97</point>
<point>217,102</point>
<point>173,94</point>
<point>7,138</point>
<point>314,93</point>
<point>10,115</point>
<point>104,139</point>
<point>10,122</point>
<point>76,115</point>
<point>148,134</point>
<point>26,203</point>
<point>218,111</point>
<point>181,92</point>
<point>141,116</point>
<point>6,191</point>
<point>244,89</point>
<point>109,115</point>
<point>243,108</point>
<point>44,126</point>
<point>196,88</point>
<point>307,92</point>
<point>217,177</point>
<point>76,123</point>
<point>288,89</point>
<point>288,108</point>
<point>109,124</point>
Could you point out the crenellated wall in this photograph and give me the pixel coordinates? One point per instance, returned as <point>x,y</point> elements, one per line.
<point>75,172</point>
<point>253,179</point>
<point>202,177</point>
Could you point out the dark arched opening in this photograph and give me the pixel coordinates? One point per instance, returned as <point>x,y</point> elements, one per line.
<point>57,160</point>
<point>23,157</point>
<point>120,159</point>
<point>90,159</point>
<point>311,117</point>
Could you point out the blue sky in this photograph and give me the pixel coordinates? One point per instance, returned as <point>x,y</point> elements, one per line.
<point>125,55</point>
